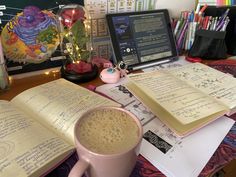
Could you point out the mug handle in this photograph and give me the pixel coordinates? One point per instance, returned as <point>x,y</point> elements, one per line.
<point>79,168</point>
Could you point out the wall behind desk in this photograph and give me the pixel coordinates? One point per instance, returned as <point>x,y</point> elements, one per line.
<point>176,6</point>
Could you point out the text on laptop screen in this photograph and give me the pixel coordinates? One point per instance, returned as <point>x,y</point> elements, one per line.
<point>142,37</point>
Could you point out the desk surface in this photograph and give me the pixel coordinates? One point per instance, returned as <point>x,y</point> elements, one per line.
<point>18,84</point>
<point>224,154</point>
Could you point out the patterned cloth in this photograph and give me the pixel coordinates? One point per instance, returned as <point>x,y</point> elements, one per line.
<point>225,153</point>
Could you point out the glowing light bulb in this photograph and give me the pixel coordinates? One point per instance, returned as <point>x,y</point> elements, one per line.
<point>67,20</point>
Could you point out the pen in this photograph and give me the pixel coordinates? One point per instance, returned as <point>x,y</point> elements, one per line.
<point>203,9</point>
<point>180,28</point>
<point>200,21</point>
<point>222,18</point>
<point>220,25</point>
<point>209,23</point>
<point>194,26</point>
<point>206,21</point>
<point>225,24</point>
<point>198,8</point>
<point>214,25</point>
<point>192,16</point>
<point>177,27</point>
<point>181,37</point>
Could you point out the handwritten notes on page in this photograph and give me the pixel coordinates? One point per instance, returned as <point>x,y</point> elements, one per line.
<point>182,101</point>
<point>215,83</point>
<point>59,104</point>
<point>26,146</point>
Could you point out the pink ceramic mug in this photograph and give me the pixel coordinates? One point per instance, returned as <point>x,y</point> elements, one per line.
<point>117,162</point>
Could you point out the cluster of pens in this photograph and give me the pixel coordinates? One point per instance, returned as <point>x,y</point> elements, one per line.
<point>215,23</point>
<point>189,22</point>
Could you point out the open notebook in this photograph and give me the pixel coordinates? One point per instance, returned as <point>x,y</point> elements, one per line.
<point>142,39</point>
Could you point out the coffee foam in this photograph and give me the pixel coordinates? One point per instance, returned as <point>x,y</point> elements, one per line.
<point>108,131</point>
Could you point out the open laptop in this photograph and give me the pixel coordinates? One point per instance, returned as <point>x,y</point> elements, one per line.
<point>142,39</point>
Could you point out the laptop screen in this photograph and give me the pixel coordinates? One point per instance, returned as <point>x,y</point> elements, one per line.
<point>142,39</point>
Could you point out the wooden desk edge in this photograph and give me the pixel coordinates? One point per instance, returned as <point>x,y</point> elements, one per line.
<point>20,84</point>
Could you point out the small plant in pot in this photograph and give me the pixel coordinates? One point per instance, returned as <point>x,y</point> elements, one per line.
<point>75,27</point>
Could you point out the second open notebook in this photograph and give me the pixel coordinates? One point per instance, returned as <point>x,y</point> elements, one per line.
<point>186,98</point>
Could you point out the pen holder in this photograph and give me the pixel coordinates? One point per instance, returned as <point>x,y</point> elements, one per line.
<point>209,45</point>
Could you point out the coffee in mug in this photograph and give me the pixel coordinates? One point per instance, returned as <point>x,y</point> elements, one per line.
<point>108,131</point>
<point>107,140</point>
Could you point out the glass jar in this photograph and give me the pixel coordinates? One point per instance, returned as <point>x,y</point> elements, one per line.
<point>75,28</point>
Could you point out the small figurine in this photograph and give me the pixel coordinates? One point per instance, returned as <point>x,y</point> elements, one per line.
<point>122,68</point>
